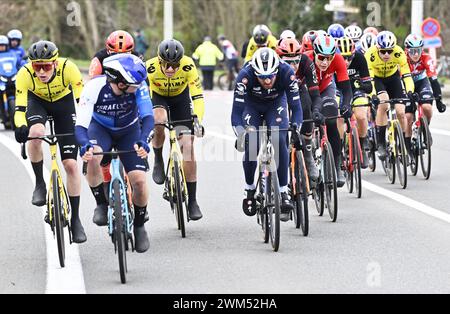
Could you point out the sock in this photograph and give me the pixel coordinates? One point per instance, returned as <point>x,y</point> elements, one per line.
<point>75,205</point>
<point>192,190</point>
<point>139,215</point>
<point>99,194</point>
<point>250,187</point>
<point>381,133</point>
<point>408,144</point>
<point>363,143</point>
<point>158,153</point>
<point>37,168</point>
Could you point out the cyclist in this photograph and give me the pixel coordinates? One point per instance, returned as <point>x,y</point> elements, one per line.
<point>174,81</point>
<point>361,82</point>
<point>115,109</point>
<point>261,38</point>
<point>261,91</point>
<point>308,40</point>
<point>367,40</point>
<point>289,51</point>
<point>117,42</point>
<point>354,32</point>
<point>336,30</point>
<point>49,85</point>
<point>371,30</point>
<point>425,80</point>
<point>15,38</point>
<point>332,74</point>
<point>384,60</point>
<point>231,58</point>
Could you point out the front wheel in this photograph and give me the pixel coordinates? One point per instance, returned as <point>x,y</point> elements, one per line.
<point>178,197</point>
<point>425,148</point>
<point>401,156</point>
<point>119,232</point>
<point>273,209</point>
<point>55,206</point>
<point>300,194</point>
<point>357,162</point>
<point>330,185</point>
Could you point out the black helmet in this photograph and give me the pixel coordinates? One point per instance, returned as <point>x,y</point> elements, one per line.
<point>221,37</point>
<point>261,36</point>
<point>170,50</point>
<point>43,51</point>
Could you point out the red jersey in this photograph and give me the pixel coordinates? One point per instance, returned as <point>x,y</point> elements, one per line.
<point>424,68</point>
<point>337,67</point>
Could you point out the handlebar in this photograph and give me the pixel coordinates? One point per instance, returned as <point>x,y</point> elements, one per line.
<point>50,139</point>
<point>114,153</point>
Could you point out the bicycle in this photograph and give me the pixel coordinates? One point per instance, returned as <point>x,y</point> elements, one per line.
<point>421,143</point>
<point>299,188</point>
<point>325,191</point>
<point>175,187</point>
<point>120,208</point>
<point>58,205</point>
<point>372,139</point>
<point>396,156</point>
<point>223,80</point>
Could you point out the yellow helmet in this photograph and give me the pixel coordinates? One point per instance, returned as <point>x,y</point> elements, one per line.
<point>346,46</point>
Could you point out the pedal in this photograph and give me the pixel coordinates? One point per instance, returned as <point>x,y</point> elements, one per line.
<point>166,196</point>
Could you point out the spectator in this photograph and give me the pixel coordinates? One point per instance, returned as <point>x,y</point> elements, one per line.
<point>231,58</point>
<point>141,43</point>
<point>207,54</point>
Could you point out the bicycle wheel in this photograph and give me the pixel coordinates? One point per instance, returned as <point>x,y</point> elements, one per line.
<point>273,209</point>
<point>356,162</point>
<point>348,162</point>
<point>330,185</point>
<point>389,162</point>
<point>415,148</point>
<point>372,152</point>
<point>425,148</point>
<point>11,111</point>
<point>178,197</point>
<point>58,224</point>
<point>301,195</point>
<point>401,156</point>
<point>222,81</point>
<point>119,232</point>
<point>293,187</point>
<point>262,208</point>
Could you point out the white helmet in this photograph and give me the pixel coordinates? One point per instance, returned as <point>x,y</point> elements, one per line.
<point>4,40</point>
<point>287,34</point>
<point>321,32</point>
<point>386,40</point>
<point>354,32</point>
<point>265,61</point>
<point>367,40</point>
<point>15,34</point>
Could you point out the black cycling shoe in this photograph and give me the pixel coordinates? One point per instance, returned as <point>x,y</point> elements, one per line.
<point>381,152</point>
<point>365,160</point>
<point>101,215</point>
<point>78,234</point>
<point>158,172</point>
<point>39,195</point>
<point>141,240</point>
<point>249,203</point>
<point>340,178</point>
<point>194,210</point>
<point>286,207</point>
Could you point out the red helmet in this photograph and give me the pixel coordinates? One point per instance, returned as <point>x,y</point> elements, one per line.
<point>288,47</point>
<point>307,40</point>
<point>120,42</point>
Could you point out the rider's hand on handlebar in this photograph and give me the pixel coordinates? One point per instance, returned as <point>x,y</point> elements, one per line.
<point>142,149</point>
<point>199,130</point>
<point>21,134</point>
<point>87,152</point>
<point>440,105</point>
<point>318,118</point>
<point>413,96</point>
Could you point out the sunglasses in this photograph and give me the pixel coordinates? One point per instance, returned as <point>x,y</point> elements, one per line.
<point>44,66</point>
<point>292,61</point>
<point>172,65</point>
<point>386,51</point>
<point>323,57</point>
<point>414,51</point>
<point>266,76</point>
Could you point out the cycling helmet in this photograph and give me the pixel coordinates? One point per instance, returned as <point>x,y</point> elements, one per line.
<point>287,34</point>
<point>15,34</point>
<point>354,32</point>
<point>325,45</point>
<point>371,29</point>
<point>386,40</point>
<point>4,40</point>
<point>120,42</point>
<point>336,30</point>
<point>259,27</point>
<point>346,46</point>
<point>367,40</point>
<point>221,37</point>
<point>413,41</point>
<point>261,36</point>
<point>307,40</point>
<point>125,68</point>
<point>265,61</point>
<point>170,50</point>
<point>43,51</point>
<point>288,47</point>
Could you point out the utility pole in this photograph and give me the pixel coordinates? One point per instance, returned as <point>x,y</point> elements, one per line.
<point>168,19</point>
<point>416,16</point>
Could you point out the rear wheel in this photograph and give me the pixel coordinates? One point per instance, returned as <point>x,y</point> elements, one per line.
<point>330,185</point>
<point>222,81</point>
<point>300,196</point>
<point>119,232</point>
<point>58,217</point>
<point>425,148</point>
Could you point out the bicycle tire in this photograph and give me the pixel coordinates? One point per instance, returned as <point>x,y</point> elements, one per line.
<point>273,209</point>
<point>357,163</point>
<point>401,163</point>
<point>389,163</point>
<point>11,111</point>
<point>372,152</point>
<point>262,211</point>
<point>302,195</point>
<point>425,148</point>
<point>415,147</point>
<point>178,197</point>
<point>58,217</point>
<point>222,81</point>
<point>119,233</point>
<point>293,188</point>
<point>348,162</point>
<point>330,185</point>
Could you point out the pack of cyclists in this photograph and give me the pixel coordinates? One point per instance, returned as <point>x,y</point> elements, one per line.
<point>325,78</point>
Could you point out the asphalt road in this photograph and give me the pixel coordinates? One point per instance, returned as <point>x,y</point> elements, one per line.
<point>378,244</point>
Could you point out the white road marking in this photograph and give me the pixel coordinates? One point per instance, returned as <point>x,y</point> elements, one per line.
<point>440,132</point>
<point>69,279</point>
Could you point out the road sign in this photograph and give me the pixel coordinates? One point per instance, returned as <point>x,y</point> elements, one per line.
<point>431,27</point>
<point>432,42</point>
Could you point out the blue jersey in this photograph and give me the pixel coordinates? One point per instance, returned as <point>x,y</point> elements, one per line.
<point>9,64</point>
<point>249,92</point>
<point>21,55</point>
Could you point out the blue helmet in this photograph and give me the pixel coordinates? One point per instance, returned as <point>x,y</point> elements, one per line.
<point>336,30</point>
<point>325,45</point>
<point>125,68</point>
<point>413,41</point>
<point>386,40</point>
